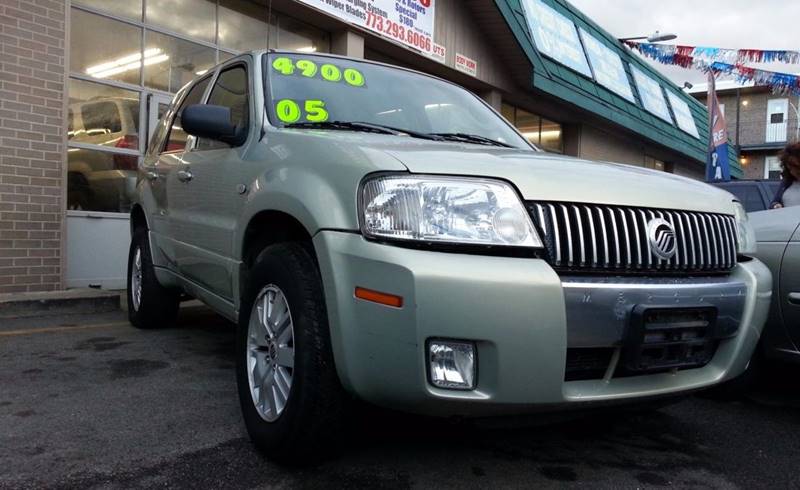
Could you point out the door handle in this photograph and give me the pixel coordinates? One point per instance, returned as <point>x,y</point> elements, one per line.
<point>794,298</point>
<point>185,175</point>
<point>151,175</point>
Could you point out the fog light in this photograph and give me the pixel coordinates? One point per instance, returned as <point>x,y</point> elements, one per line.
<point>452,364</point>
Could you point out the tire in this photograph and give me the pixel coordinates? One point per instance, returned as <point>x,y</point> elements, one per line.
<point>305,428</point>
<point>156,306</point>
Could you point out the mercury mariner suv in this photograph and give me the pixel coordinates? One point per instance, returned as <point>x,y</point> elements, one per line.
<point>384,235</point>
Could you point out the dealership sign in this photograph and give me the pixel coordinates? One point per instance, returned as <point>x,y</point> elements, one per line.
<point>408,22</point>
<point>466,65</point>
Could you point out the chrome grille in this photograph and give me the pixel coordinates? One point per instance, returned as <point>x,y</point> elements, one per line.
<point>615,238</point>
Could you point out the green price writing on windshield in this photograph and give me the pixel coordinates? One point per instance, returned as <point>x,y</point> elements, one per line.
<point>354,77</point>
<point>329,72</point>
<point>289,111</point>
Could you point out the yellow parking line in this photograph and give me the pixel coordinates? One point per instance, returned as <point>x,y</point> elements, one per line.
<point>31,331</point>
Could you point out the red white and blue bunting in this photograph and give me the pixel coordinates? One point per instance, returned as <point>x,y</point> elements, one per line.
<point>728,62</point>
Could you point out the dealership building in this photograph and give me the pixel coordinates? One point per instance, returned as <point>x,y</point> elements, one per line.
<point>83,83</point>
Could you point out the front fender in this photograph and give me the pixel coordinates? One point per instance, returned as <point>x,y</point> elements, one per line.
<point>303,194</point>
<point>312,178</point>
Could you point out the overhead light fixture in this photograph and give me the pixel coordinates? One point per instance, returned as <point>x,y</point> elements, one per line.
<point>745,103</point>
<point>655,37</point>
<point>307,49</point>
<point>127,63</point>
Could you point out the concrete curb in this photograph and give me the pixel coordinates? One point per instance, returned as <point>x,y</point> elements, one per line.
<point>69,302</point>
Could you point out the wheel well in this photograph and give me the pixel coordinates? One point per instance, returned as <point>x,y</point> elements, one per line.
<point>138,219</point>
<point>268,228</point>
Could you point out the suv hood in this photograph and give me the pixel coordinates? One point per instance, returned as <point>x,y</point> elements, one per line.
<point>543,176</point>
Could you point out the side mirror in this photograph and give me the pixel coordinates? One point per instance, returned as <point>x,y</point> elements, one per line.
<point>212,122</point>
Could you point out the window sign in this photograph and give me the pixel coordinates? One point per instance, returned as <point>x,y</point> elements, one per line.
<point>555,36</point>
<point>607,66</point>
<point>683,115</point>
<point>651,94</point>
<point>466,65</point>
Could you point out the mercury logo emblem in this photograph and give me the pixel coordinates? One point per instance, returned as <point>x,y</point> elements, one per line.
<point>663,242</point>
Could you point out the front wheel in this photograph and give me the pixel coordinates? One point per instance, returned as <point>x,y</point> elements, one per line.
<point>290,395</point>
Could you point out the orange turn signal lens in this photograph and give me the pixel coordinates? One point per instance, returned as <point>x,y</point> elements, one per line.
<point>378,297</point>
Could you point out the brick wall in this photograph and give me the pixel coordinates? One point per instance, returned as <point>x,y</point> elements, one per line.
<point>754,169</point>
<point>753,124</point>
<point>32,61</point>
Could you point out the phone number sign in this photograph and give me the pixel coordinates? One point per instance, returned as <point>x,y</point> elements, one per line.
<point>409,22</point>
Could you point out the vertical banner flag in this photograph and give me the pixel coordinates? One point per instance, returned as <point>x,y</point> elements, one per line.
<point>717,167</point>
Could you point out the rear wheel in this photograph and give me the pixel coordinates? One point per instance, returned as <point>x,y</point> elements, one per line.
<point>150,305</point>
<point>291,398</point>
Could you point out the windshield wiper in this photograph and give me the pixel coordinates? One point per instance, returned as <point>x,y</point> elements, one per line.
<point>383,129</point>
<point>362,126</point>
<point>342,125</point>
<point>471,138</point>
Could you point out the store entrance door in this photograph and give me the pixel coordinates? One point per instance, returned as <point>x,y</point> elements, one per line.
<point>98,236</point>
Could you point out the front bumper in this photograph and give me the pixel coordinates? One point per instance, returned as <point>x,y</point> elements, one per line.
<point>516,312</point>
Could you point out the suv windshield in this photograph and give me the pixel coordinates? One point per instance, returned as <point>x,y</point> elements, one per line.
<point>332,93</point>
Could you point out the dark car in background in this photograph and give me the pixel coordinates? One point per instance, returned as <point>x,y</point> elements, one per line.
<point>755,195</point>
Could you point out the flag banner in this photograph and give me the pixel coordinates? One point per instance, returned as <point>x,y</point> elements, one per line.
<point>779,83</point>
<point>725,55</point>
<point>718,167</point>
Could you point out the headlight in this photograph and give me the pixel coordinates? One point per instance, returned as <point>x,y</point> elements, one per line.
<point>744,232</point>
<point>454,210</point>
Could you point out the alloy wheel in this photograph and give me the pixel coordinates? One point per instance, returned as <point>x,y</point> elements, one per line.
<point>270,353</point>
<point>136,279</point>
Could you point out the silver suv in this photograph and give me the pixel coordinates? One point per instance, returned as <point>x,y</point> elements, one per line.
<point>383,235</point>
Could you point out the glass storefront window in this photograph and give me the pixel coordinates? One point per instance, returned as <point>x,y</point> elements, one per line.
<point>551,136</point>
<point>546,134</point>
<point>296,36</point>
<point>529,125</point>
<point>104,48</point>
<point>224,56</point>
<point>107,50</point>
<point>243,26</point>
<point>170,63</point>
<point>191,18</point>
<point>508,112</point>
<point>100,181</point>
<point>131,9</point>
<point>103,115</point>
<point>654,163</point>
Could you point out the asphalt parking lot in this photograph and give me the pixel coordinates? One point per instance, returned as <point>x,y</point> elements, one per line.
<point>91,402</point>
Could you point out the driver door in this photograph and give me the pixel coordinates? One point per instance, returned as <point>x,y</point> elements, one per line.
<point>209,191</point>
